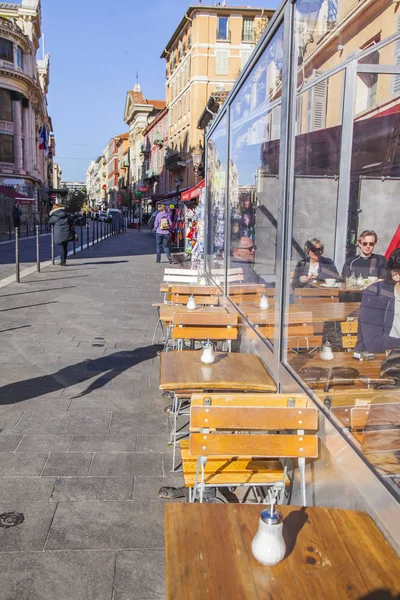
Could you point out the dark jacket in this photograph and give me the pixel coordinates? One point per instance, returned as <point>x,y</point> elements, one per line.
<point>376,319</point>
<point>63,226</point>
<point>374,266</point>
<point>327,270</point>
<point>249,274</point>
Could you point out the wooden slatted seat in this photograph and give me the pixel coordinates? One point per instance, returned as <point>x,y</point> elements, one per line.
<point>204,326</point>
<point>235,441</point>
<point>197,290</point>
<point>201,300</point>
<point>316,296</point>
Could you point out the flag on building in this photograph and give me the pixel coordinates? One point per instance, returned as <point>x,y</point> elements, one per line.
<point>43,138</point>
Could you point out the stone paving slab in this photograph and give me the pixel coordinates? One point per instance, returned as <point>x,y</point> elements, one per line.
<point>83,433</point>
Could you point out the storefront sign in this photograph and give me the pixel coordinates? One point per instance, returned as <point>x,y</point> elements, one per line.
<point>193,192</point>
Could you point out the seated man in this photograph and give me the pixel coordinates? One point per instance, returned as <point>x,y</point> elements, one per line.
<point>379,325</point>
<point>243,255</point>
<point>366,263</point>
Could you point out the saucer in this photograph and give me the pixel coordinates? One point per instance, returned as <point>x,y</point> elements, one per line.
<point>326,285</point>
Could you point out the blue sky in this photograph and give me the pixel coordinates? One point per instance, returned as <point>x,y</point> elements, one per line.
<point>96,47</point>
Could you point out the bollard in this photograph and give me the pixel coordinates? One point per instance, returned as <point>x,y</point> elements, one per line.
<point>41,226</point>
<point>9,229</point>
<point>17,276</point>
<point>74,245</point>
<point>97,231</point>
<point>81,238</point>
<point>94,226</point>
<point>87,236</point>
<point>27,229</point>
<point>101,230</point>
<point>37,249</point>
<point>52,245</point>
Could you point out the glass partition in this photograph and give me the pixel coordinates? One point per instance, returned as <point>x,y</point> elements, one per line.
<point>216,178</point>
<point>344,218</point>
<point>255,116</point>
<point>340,304</point>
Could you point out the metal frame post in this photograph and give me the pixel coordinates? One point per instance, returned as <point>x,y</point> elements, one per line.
<point>52,244</point>
<point>17,274</point>
<point>37,249</point>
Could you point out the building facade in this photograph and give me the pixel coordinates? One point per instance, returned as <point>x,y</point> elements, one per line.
<point>205,54</point>
<point>26,149</point>
<point>155,144</point>
<point>139,113</point>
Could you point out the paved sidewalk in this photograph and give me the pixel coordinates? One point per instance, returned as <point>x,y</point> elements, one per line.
<point>83,441</point>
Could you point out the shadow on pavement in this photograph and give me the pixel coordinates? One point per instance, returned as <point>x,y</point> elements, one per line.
<point>67,287</point>
<point>53,279</point>
<point>14,328</point>
<point>108,367</point>
<point>28,306</point>
<point>105,262</point>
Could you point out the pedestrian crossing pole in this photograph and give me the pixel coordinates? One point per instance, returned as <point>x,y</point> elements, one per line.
<point>37,249</point>
<point>17,274</point>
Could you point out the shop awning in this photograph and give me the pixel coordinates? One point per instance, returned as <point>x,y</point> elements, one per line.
<point>193,192</point>
<point>15,195</point>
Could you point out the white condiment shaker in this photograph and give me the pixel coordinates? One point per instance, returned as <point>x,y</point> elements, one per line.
<point>268,545</point>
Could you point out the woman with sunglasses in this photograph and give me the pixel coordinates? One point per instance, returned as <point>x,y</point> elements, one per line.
<point>379,323</point>
<point>366,263</point>
<point>314,267</point>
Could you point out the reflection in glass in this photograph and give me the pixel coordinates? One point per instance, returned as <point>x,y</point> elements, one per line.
<point>217,165</point>
<point>254,185</point>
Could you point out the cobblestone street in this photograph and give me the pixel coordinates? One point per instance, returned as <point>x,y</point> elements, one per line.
<point>83,437</point>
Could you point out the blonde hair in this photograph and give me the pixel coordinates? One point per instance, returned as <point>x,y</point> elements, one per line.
<point>161,207</point>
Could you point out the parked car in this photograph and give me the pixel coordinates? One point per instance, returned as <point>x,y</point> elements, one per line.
<point>113,212</point>
<point>103,215</point>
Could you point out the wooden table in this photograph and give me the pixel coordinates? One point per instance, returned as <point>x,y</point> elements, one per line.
<point>230,371</point>
<point>367,369</point>
<point>168,310</point>
<point>332,554</point>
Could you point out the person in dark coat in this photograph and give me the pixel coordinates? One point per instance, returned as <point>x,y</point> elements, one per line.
<point>379,322</point>
<point>16,215</point>
<point>63,229</point>
<point>366,263</point>
<point>315,267</point>
<point>243,256</point>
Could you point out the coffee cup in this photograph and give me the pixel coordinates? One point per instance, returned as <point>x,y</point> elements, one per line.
<point>330,281</point>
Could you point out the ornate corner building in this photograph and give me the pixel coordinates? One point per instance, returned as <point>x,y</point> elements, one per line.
<point>27,143</point>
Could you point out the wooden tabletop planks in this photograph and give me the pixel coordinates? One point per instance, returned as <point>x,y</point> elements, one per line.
<point>331,553</point>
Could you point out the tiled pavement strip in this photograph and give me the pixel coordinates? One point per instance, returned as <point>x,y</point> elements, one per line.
<point>83,441</point>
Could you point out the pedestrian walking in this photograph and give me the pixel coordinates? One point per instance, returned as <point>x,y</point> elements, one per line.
<point>16,215</point>
<point>63,229</point>
<point>162,226</point>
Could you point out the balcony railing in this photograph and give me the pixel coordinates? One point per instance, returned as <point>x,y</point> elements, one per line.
<point>174,162</point>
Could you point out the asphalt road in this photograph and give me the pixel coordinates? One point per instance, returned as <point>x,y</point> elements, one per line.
<point>27,250</point>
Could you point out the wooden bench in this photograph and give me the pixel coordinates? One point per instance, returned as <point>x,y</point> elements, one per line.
<point>226,447</point>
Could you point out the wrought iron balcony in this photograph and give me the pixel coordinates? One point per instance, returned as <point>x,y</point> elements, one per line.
<point>174,161</point>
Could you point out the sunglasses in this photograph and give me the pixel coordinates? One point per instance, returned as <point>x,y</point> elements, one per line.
<point>249,248</point>
<point>317,250</point>
<point>370,244</point>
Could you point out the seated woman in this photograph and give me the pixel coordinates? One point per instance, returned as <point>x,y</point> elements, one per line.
<point>379,324</point>
<point>315,267</point>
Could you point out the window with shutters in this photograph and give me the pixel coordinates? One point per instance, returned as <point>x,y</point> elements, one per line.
<point>316,106</point>
<point>6,112</point>
<point>6,148</point>
<point>396,78</point>
<point>20,58</point>
<point>299,116</point>
<point>248,29</point>
<point>275,123</point>
<point>221,57</point>
<point>6,50</point>
<point>244,57</point>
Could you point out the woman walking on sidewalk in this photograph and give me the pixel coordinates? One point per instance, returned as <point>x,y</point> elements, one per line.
<point>162,225</point>
<point>63,229</point>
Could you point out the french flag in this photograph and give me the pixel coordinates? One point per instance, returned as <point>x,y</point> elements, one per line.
<point>43,138</point>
